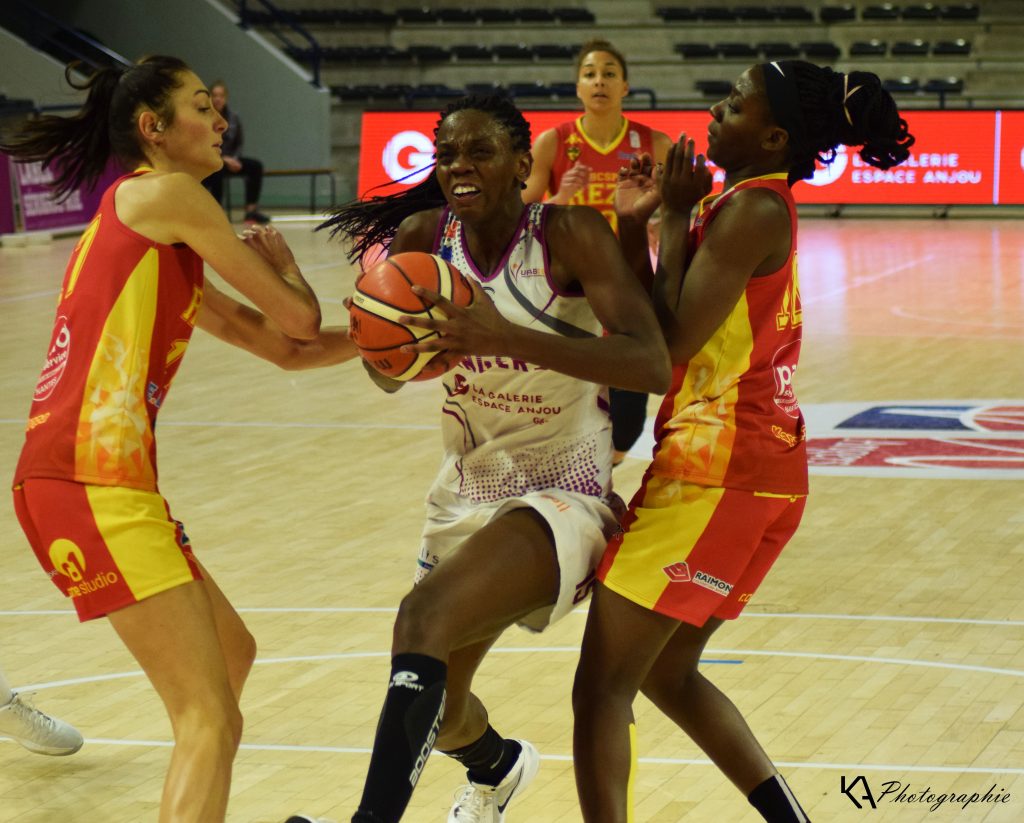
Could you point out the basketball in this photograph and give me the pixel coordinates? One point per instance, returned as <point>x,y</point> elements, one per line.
<point>383,293</point>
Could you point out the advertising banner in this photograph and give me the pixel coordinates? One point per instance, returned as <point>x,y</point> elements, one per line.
<point>959,157</point>
<point>40,211</point>
<point>6,196</point>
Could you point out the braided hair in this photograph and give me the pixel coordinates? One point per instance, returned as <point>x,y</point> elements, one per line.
<point>79,146</point>
<point>838,109</point>
<point>374,221</point>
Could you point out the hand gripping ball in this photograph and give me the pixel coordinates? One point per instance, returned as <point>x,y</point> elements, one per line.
<point>384,293</point>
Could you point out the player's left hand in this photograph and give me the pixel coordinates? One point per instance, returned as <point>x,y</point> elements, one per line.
<point>636,192</point>
<point>465,330</point>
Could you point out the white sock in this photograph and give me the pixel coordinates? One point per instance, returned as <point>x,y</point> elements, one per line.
<point>6,695</point>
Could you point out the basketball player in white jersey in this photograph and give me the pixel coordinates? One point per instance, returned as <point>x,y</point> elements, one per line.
<point>519,512</point>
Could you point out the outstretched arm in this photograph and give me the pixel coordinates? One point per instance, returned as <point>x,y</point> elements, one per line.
<point>251,330</point>
<point>175,208</point>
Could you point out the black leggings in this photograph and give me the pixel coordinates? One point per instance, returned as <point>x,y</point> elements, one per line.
<point>252,171</point>
<point>629,410</point>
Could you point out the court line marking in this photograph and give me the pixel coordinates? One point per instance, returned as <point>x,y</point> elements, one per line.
<point>864,280</point>
<point>29,296</point>
<point>319,658</point>
<point>899,311</point>
<point>878,618</point>
<point>567,758</point>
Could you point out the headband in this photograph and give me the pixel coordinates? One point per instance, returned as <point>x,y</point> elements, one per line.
<point>784,100</point>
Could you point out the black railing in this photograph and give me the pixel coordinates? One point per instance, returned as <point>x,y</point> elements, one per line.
<point>279,22</point>
<point>59,40</point>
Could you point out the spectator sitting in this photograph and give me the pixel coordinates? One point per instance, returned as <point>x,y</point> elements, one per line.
<point>234,162</point>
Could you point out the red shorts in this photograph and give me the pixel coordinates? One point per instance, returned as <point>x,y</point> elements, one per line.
<point>105,547</point>
<point>693,552</point>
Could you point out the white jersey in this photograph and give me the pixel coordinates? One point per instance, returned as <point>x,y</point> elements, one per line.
<point>511,427</point>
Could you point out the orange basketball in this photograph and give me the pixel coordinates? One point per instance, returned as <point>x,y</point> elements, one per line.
<point>384,293</point>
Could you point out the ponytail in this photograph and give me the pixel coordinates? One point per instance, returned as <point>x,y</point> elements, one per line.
<point>78,147</point>
<point>834,109</point>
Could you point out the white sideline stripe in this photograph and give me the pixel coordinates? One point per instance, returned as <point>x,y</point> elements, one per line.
<point>566,758</point>
<point>710,653</point>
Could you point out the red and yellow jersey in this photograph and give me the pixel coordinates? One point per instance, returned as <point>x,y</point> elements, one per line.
<point>731,418</point>
<point>574,146</point>
<point>125,315</point>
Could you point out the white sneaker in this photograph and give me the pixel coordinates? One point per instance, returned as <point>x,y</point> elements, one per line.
<point>36,731</point>
<point>478,803</point>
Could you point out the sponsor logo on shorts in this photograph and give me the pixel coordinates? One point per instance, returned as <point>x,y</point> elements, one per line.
<point>38,420</point>
<point>67,559</point>
<point>713,583</point>
<point>678,572</point>
<point>406,680</point>
<point>100,581</point>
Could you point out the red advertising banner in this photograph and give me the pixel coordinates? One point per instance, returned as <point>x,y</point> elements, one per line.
<point>1011,157</point>
<point>959,157</point>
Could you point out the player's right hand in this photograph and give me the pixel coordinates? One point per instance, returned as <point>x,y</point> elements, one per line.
<point>578,177</point>
<point>685,180</point>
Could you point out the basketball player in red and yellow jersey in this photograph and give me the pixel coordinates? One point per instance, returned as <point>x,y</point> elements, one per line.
<point>577,164</point>
<point>726,488</point>
<point>85,488</point>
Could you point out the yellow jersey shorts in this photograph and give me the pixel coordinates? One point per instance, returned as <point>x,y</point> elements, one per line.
<point>692,552</point>
<point>105,547</point>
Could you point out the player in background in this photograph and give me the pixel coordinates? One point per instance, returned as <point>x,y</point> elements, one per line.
<point>85,488</point>
<point>519,511</point>
<point>728,482</point>
<point>577,163</point>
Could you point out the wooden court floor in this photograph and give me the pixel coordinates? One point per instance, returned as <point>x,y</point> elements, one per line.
<point>887,644</point>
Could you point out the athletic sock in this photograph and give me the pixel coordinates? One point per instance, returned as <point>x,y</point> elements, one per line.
<point>488,759</point>
<point>776,803</point>
<point>405,737</point>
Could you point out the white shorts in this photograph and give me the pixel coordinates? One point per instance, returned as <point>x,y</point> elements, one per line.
<point>581,526</point>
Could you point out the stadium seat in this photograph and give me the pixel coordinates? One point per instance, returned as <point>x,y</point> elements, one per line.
<point>734,51</point>
<point>555,51</point>
<point>716,14</point>
<point>868,48</point>
<point>966,11</point>
<point>695,51</point>
<point>534,14</point>
<point>536,89</point>
<point>455,15</point>
<point>753,13</point>
<point>794,14</point>
<point>944,85</point>
<point>430,54</point>
<point>951,48</point>
<point>901,85</point>
<point>489,15</point>
<point>882,11</point>
<point>820,50</point>
<point>837,14</point>
<point>927,11</point>
<point>472,52</point>
<point>714,88</point>
<point>778,51</point>
<point>910,48</point>
<point>674,14</point>
<point>573,15</point>
<point>513,51</point>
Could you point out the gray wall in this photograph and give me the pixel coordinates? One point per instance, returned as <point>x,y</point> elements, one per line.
<point>286,119</point>
<point>26,73</point>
